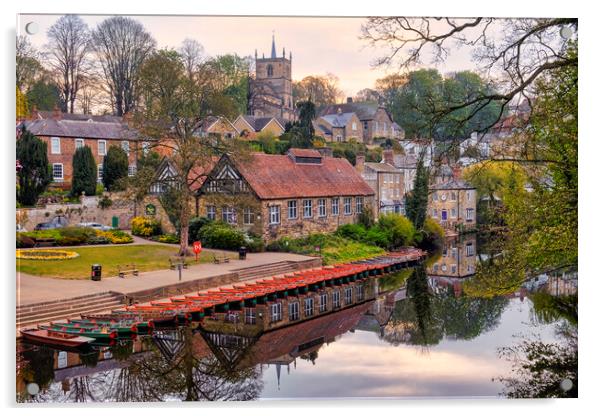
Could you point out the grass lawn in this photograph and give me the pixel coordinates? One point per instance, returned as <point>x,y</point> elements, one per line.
<point>145,257</point>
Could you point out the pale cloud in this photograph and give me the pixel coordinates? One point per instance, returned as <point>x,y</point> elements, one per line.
<point>319,45</point>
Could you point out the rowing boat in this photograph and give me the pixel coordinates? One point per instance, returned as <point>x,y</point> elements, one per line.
<point>97,334</point>
<point>55,338</point>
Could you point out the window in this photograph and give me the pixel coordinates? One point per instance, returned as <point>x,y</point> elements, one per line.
<point>454,268</point>
<point>435,196</point>
<point>321,207</point>
<point>102,147</point>
<point>275,214</point>
<point>55,145</point>
<point>453,196</point>
<point>469,214</point>
<point>307,208</point>
<point>211,212</point>
<point>359,204</point>
<point>125,145</point>
<point>348,295</point>
<point>145,148</point>
<point>99,171</point>
<point>336,299</point>
<point>293,311</point>
<point>276,312</point>
<point>359,292</point>
<point>365,125</point>
<point>454,252</point>
<point>347,205</point>
<point>322,304</point>
<point>309,307</point>
<point>468,195</point>
<point>79,143</point>
<point>335,206</point>
<point>248,216</point>
<point>131,170</point>
<point>339,138</point>
<point>435,268</point>
<point>443,215</point>
<point>453,213</point>
<point>469,250</point>
<point>292,210</point>
<point>250,317</point>
<point>270,71</point>
<point>354,126</point>
<point>434,213</point>
<point>57,172</point>
<point>228,215</point>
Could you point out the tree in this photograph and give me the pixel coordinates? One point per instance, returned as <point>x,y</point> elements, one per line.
<point>34,175</point>
<point>84,172</point>
<point>69,46</point>
<point>367,94</point>
<point>417,199</point>
<point>171,117</point>
<point>230,79</point>
<point>21,103</point>
<point>44,95</point>
<point>27,64</point>
<point>192,53</point>
<point>121,45</point>
<point>321,90</point>
<point>114,168</point>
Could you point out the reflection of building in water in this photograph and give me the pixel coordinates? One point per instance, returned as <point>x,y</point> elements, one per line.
<point>561,283</point>
<point>458,258</point>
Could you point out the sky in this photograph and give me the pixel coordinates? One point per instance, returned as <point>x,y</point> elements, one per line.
<point>319,45</point>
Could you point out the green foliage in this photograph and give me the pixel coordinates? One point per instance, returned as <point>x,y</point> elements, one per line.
<point>105,202</point>
<point>167,238</point>
<point>145,227</point>
<point>45,96</point>
<point>75,236</point>
<point>417,199</point>
<point>398,228</point>
<point>433,234</point>
<point>21,102</point>
<point>221,235</point>
<point>366,217</point>
<point>353,231</point>
<point>84,172</point>
<point>35,174</point>
<point>24,241</point>
<point>333,248</point>
<point>114,168</point>
<point>194,226</point>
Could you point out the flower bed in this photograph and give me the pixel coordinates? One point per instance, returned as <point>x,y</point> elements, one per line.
<point>46,254</point>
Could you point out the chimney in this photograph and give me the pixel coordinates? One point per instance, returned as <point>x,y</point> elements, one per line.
<point>349,100</point>
<point>388,157</point>
<point>325,151</point>
<point>360,158</point>
<point>56,113</point>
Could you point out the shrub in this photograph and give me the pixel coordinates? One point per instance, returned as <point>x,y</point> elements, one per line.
<point>115,168</point>
<point>194,226</point>
<point>105,202</point>
<point>74,236</point>
<point>378,237</point>
<point>168,238</point>
<point>221,235</point>
<point>24,241</point>
<point>401,231</point>
<point>254,243</point>
<point>145,227</point>
<point>115,236</point>
<point>434,234</point>
<point>99,239</point>
<point>84,172</point>
<point>353,231</point>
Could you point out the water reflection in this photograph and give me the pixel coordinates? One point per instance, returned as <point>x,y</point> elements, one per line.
<point>364,347</point>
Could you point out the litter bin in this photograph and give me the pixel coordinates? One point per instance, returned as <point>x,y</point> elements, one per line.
<point>96,272</point>
<point>242,253</point>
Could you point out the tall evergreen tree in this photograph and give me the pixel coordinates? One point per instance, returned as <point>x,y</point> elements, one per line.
<point>417,200</point>
<point>114,168</point>
<point>34,175</point>
<point>84,172</point>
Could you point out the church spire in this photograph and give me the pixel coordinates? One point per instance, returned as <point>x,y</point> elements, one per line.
<point>273,46</point>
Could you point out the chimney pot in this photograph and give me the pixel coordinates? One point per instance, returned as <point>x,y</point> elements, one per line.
<point>360,159</point>
<point>349,100</point>
<point>388,157</point>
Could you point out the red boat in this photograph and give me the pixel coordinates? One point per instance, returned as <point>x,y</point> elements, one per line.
<point>59,339</point>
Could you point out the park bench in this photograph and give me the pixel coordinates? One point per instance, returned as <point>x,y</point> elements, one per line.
<point>127,269</point>
<point>44,242</point>
<point>174,261</point>
<point>222,259</point>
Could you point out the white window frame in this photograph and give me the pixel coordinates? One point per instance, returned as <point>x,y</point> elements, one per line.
<point>347,205</point>
<point>275,214</point>
<point>55,150</point>
<point>81,141</point>
<point>248,216</point>
<point>322,207</point>
<point>334,206</point>
<point>56,178</point>
<point>125,145</point>
<point>292,209</point>
<point>469,214</point>
<point>336,299</point>
<point>348,296</point>
<point>359,204</point>
<point>293,311</point>
<point>354,126</point>
<point>99,172</point>
<point>309,306</point>
<point>323,302</point>
<point>359,292</point>
<point>132,170</point>
<point>228,215</point>
<point>211,212</point>
<point>307,208</point>
<point>145,148</point>
<point>250,316</point>
<point>469,250</point>
<point>453,213</point>
<point>104,147</point>
<point>276,312</point>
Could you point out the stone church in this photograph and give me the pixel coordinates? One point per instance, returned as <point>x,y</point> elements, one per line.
<point>271,92</point>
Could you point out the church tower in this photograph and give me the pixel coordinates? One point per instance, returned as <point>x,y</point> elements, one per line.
<point>272,93</point>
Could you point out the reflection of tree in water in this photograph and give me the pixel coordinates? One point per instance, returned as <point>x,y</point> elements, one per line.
<point>539,368</point>
<point>424,318</point>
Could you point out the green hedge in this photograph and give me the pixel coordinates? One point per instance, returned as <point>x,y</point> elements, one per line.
<point>389,232</point>
<point>217,234</point>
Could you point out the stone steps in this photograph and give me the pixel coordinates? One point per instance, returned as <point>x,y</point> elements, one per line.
<point>31,315</point>
<point>267,270</point>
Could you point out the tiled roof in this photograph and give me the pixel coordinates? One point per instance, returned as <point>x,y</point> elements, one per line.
<point>259,123</point>
<point>45,115</point>
<point>381,167</point>
<point>304,152</point>
<point>452,184</point>
<point>338,120</point>
<point>278,176</point>
<point>364,110</point>
<point>80,129</point>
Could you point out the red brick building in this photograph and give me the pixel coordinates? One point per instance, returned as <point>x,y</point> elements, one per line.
<point>63,133</point>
